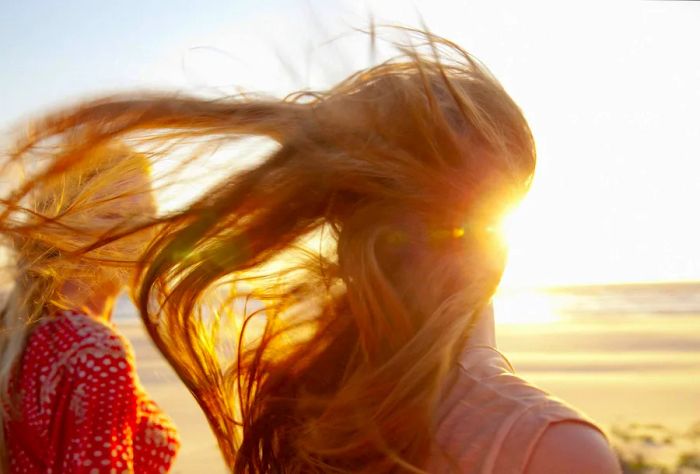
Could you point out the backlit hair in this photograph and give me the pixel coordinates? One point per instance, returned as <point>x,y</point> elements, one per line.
<point>314,302</point>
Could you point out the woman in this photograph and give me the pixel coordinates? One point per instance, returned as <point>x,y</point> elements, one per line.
<point>71,399</point>
<point>367,240</point>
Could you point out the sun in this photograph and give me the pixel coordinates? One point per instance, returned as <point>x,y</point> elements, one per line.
<point>530,260</point>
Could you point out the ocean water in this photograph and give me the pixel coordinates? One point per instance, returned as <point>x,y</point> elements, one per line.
<point>638,299</point>
<point>587,303</point>
<point>583,303</point>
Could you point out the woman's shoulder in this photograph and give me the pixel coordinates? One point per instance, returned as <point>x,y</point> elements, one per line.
<point>76,335</point>
<point>492,415</point>
<point>574,448</point>
<point>74,355</point>
<point>485,370</point>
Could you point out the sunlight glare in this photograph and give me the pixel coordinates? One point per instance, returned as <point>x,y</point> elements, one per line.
<point>524,307</point>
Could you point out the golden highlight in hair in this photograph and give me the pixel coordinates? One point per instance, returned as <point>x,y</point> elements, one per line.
<point>313,303</point>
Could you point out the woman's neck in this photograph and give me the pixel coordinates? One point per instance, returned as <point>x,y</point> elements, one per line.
<point>483,332</point>
<point>95,302</point>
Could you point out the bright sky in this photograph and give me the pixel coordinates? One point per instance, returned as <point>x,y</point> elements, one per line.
<point>611,90</point>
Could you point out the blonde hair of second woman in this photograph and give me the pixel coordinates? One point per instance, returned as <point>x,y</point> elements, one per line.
<point>50,223</point>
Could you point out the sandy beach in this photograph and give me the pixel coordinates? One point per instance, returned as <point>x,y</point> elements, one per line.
<point>627,373</point>
<point>616,368</point>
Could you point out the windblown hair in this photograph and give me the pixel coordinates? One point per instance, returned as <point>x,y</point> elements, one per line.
<point>47,227</point>
<point>314,303</point>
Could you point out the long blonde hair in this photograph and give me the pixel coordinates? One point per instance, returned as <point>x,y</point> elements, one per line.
<point>314,303</point>
<point>47,228</point>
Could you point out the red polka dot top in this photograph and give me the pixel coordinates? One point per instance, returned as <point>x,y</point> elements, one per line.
<point>82,407</point>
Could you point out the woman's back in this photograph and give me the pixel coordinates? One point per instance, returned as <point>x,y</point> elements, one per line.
<point>82,407</point>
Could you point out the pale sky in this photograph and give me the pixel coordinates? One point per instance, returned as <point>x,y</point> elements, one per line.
<point>611,90</point>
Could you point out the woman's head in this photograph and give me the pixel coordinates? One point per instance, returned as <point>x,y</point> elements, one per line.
<point>426,155</point>
<point>67,213</point>
<point>366,239</point>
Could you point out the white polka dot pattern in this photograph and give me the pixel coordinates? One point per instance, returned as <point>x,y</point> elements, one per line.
<point>82,407</point>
